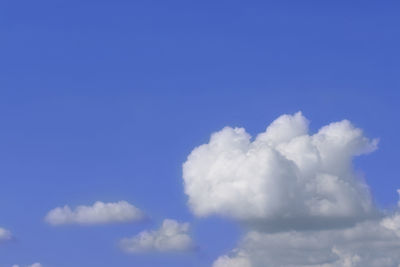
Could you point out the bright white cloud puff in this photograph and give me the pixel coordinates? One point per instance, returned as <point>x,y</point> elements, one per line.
<point>284,177</point>
<point>5,234</point>
<point>98,213</point>
<point>172,236</point>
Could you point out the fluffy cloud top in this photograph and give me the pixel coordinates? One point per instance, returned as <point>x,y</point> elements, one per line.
<point>367,244</point>
<point>99,213</point>
<point>284,176</point>
<point>5,234</point>
<point>172,236</point>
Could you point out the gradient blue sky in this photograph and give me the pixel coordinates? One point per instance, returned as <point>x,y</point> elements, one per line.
<point>104,100</point>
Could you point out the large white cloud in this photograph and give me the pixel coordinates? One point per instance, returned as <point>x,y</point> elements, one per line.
<point>172,236</point>
<point>367,244</point>
<point>98,213</point>
<point>285,177</point>
<point>298,193</point>
<point>5,234</point>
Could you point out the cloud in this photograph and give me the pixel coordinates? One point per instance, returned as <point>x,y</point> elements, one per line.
<point>368,243</point>
<point>5,234</point>
<point>393,222</point>
<point>237,261</point>
<point>297,193</point>
<point>172,236</point>
<point>283,178</point>
<point>99,213</point>
<point>33,265</point>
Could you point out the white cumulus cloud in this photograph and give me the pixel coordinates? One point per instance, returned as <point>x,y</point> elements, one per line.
<point>5,234</point>
<point>172,236</point>
<point>98,213</point>
<point>285,177</point>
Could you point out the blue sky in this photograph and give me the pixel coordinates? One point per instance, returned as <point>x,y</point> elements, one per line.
<point>104,101</point>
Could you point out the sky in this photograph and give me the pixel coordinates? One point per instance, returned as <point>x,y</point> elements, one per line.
<point>114,149</point>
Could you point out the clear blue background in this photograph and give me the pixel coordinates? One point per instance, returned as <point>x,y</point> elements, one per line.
<point>104,100</point>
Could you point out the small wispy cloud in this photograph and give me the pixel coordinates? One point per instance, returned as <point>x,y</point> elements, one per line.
<point>37,264</point>
<point>98,213</point>
<point>172,236</point>
<point>5,234</point>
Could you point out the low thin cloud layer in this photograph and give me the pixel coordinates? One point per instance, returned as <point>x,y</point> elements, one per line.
<point>5,234</point>
<point>172,236</point>
<point>98,213</point>
<point>369,243</point>
<point>393,222</point>
<point>284,177</point>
